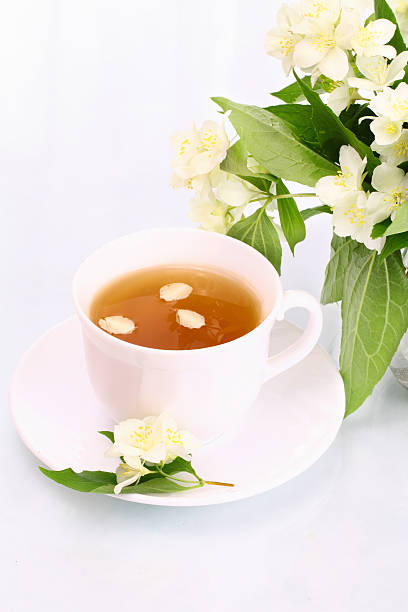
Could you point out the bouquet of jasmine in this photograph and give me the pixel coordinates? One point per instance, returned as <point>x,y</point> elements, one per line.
<point>341,129</point>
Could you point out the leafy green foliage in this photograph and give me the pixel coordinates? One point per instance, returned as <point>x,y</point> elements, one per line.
<point>104,482</point>
<point>384,11</point>
<point>108,434</point>
<point>350,118</point>
<point>276,145</point>
<point>375,317</point>
<point>400,222</point>
<point>86,482</point>
<point>404,166</point>
<point>369,18</point>
<point>380,228</point>
<point>340,260</point>
<point>179,465</point>
<point>293,93</point>
<point>299,116</point>
<point>259,232</point>
<point>332,134</point>
<point>291,220</point>
<point>236,163</point>
<point>394,243</point>
<point>307,213</point>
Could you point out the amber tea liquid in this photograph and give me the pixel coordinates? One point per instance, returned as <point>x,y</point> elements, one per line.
<point>230,307</point>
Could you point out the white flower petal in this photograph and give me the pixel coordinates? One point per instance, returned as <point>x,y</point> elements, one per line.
<point>381,30</point>
<point>117,325</point>
<point>386,177</point>
<point>306,54</point>
<point>190,441</point>
<point>189,319</point>
<point>156,454</point>
<point>125,483</point>
<point>386,131</point>
<point>397,65</point>
<point>209,213</point>
<point>329,190</point>
<point>335,64</point>
<point>381,104</point>
<point>378,205</point>
<point>363,84</point>
<point>386,50</point>
<point>351,162</point>
<point>395,153</point>
<point>233,191</point>
<point>175,291</point>
<point>339,99</point>
<point>134,461</point>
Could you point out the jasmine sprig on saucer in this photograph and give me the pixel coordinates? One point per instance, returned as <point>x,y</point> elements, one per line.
<point>155,458</point>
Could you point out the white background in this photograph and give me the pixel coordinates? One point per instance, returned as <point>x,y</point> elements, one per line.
<point>90,91</point>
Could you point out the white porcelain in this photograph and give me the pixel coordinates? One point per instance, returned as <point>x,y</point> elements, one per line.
<point>294,420</point>
<point>205,389</point>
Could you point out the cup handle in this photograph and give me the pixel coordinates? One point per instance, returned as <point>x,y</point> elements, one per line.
<point>302,347</point>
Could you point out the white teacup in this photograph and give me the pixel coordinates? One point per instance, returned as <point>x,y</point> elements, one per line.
<point>205,389</point>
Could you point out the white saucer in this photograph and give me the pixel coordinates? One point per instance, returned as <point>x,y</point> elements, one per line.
<point>293,422</point>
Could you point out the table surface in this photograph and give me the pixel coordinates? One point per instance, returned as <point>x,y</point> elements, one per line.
<point>91,92</point>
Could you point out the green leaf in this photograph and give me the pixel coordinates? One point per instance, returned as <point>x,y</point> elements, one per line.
<point>275,144</point>
<point>394,243</point>
<point>375,317</point>
<point>404,166</point>
<point>104,482</point>
<point>384,11</point>
<point>369,18</point>
<point>350,118</point>
<point>400,223</point>
<point>332,134</point>
<point>293,93</point>
<point>179,465</point>
<point>87,482</point>
<point>259,232</point>
<point>379,228</point>
<point>158,485</point>
<point>299,116</point>
<point>236,163</point>
<point>340,260</point>
<point>108,434</point>
<point>291,220</point>
<point>307,213</point>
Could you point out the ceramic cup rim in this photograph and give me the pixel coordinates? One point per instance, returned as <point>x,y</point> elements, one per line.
<point>267,322</point>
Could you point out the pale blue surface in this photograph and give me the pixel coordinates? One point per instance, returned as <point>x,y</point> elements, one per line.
<point>91,92</point>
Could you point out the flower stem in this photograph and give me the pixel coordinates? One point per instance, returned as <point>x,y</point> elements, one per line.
<point>199,480</point>
<point>170,477</point>
<point>221,484</point>
<point>293,195</point>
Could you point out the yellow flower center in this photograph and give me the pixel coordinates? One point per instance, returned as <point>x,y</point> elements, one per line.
<point>401,148</point>
<point>400,106</point>
<point>183,146</point>
<point>317,8</point>
<point>342,177</point>
<point>367,37</point>
<point>323,41</point>
<point>125,471</point>
<point>391,128</point>
<point>286,45</point>
<point>378,69</point>
<point>208,143</point>
<point>141,434</point>
<point>396,198</point>
<point>355,215</point>
<point>173,436</point>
